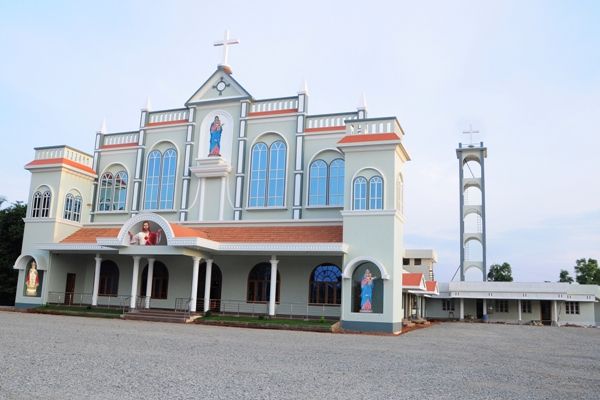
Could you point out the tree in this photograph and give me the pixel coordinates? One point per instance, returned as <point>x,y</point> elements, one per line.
<point>500,273</point>
<point>587,272</point>
<point>11,232</point>
<point>565,277</point>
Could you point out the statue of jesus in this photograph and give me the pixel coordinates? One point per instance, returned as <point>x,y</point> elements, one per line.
<point>146,237</point>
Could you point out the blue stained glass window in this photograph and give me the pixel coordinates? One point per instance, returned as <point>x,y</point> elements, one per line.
<point>376,193</point>
<point>360,194</point>
<point>152,180</point>
<point>326,285</point>
<point>258,175</point>
<point>276,183</point>
<point>167,182</point>
<point>120,191</point>
<point>317,190</point>
<point>336,182</point>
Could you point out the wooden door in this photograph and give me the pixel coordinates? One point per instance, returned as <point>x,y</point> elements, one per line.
<point>546,312</point>
<point>70,289</point>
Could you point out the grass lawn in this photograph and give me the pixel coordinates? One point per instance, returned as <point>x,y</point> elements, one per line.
<point>79,311</point>
<point>273,323</point>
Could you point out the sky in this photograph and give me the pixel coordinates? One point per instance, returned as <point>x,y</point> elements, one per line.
<point>525,74</point>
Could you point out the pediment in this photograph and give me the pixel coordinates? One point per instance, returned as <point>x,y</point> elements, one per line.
<point>219,87</point>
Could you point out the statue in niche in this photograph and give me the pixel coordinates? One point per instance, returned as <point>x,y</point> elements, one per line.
<point>216,128</point>
<point>366,292</point>
<point>32,280</point>
<point>145,237</point>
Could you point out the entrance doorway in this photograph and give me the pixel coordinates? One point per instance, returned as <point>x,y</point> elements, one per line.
<point>479,308</point>
<point>70,289</point>
<point>546,312</point>
<point>216,282</point>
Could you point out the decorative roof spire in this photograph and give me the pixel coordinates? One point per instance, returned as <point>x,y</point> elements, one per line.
<point>362,104</point>
<point>148,106</point>
<point>304,88</point>
<point>103,126</point>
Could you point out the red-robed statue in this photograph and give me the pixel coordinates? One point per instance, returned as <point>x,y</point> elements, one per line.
<point>146,237</point>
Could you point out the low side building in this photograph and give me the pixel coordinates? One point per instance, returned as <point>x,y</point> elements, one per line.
<point>517,302</point>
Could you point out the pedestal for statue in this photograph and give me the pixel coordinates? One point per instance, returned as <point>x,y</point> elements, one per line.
<point>211,167</point>
<point>212,173</point>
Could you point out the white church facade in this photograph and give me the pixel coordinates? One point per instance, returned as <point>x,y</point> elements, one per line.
<point>229,204</point>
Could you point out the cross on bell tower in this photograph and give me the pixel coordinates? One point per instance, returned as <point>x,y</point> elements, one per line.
<point>226,42</point>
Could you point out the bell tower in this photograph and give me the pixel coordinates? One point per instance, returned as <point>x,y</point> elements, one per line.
<point>471,159</point>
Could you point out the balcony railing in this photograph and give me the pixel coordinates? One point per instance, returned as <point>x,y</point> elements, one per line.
<point>116,139</point>
<point>169,116</point>
<point>371,126</point>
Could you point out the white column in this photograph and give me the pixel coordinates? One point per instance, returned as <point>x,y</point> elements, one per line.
<point>554,312</point>
<point>134,280</point>
<point>484,307</point>
<point>194,295</point>
<point>461,314</point>
<point>149,279</point>
<point>418,306</point>
<point>222,199</point>
<point>273,288</point>
<point>96,280</point>
<point>519,307</point>
<point>207,284</point>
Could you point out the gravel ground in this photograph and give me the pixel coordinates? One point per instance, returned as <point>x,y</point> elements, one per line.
<point>56,357</point>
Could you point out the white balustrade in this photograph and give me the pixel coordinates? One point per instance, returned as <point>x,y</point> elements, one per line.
<point>328,121</point>
<point>120,138</point>
<point>68,153</point>
<point>274,105</point>
<point>168,116</point>
<point>368,127</point>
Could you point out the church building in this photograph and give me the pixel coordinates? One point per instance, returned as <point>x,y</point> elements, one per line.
<point>230,204</point>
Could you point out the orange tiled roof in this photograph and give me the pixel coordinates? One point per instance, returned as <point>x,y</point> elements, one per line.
<point>245,234</point>
<point>89,235</point>
<point>371,137</point>
<point>431,286</point>
<point>412,279</point>
<point>273,234</point>
<point>66,161</point>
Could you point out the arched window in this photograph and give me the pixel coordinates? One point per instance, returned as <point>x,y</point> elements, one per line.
<point>113,191</point>
<point>276,182</point>
<point>109,279</point>
<point>325,285</point>
<point>336,182</point>
<point>360,193</point>
<point>120,191</point>
<point>167,182</point>
<point>376,193</point>
<point>367,289</point>
<point>106,192</point>
<point>259,283</point>
<point>317,188</point>
<point>371,199</point>
<point>72,210</point>
<point>160,180</point>
<point>41,204</point>
<point>160,281</point>
<point>267,175</point>
<point>258,175</point>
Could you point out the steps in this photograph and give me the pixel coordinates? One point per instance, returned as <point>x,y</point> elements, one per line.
<point>157,315</point>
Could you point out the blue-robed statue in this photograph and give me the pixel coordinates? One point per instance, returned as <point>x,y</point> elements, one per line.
<point>216,128</point>
<point>366,292</point>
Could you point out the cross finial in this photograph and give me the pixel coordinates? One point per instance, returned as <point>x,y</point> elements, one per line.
<point>226,42</point>
<point>470,132</point>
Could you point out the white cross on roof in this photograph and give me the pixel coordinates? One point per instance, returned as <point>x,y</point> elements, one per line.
<point>226,42</point>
